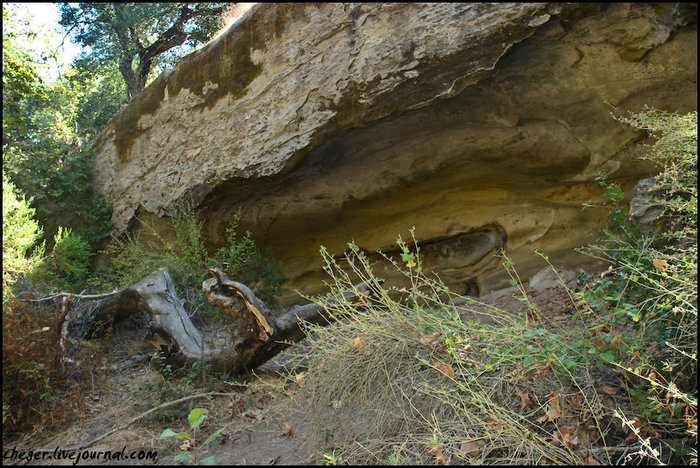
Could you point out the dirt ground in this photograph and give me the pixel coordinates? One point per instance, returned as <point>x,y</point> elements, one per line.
<point>259,424</point>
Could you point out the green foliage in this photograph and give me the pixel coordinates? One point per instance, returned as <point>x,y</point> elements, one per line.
<point>42,144</point>
<point>67,266</point>
<point>647,301</point>
<point>99,93</point>
<point>19,233</point>
<point>137,38</point>
<point>188,233</point>
<point>20,82</point>
<point>59,183</point>
<point>194,419</point>
<point>331,459</point>
<point>187,259</point>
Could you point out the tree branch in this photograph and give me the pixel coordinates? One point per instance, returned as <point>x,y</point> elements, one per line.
<point>71,295</point>
<point>175,35</point>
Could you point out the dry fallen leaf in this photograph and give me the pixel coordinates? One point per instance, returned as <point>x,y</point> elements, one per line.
<point>445,369</point>
<point>493,425</point>
<point>541,372</point>
<point>660,265</point>
<point>236,405</point>
<point>254,414</point>
<point>288,431</point>
<point>430,341</point>
<point>436,452</point>
<point>569,436</point>
<point>576,401</point>
<point>186,445</point>
<point>470,448</point>
<point>652,432</point>
<point>525,401</point>
<point>300,378</point>
<point>554,410</point>
<point>358,344</point>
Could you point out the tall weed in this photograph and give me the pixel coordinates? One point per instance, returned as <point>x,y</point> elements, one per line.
<point>188,260</point>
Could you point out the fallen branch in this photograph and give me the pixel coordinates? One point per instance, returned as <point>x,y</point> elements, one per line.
<point>259,335</point>
<point>71,295</point>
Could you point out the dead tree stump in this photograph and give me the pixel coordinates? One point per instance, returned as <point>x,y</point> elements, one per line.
<point>260,335</point>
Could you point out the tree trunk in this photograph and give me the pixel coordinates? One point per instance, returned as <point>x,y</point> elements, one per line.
<point>135,80</point>
<point>260,334</point>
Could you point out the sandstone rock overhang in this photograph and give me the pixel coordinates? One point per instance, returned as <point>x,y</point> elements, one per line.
<point>483,125</point>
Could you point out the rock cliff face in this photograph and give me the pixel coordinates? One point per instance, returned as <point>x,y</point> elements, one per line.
<point>482,125</point>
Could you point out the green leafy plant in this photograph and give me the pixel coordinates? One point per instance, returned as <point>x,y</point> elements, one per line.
<point>20,231</point>
<point>67,265</point>
<point>331,458</point>
<point>195,419</point>
<point>44,151</point>
<point>187,259</point>
<point>646,303</point>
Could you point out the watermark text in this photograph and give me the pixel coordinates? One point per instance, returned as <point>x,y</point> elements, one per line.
<point>77,456</point>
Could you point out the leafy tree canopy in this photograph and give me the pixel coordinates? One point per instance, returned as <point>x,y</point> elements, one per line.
<point>140,38</point>
<point>45,126</point>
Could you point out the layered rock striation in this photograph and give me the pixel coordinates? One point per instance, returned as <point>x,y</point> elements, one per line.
<point>485,126</point>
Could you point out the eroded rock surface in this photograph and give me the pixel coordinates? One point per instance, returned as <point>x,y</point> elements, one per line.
<point>482,125</point>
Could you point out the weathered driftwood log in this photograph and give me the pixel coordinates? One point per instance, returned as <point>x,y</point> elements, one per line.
<point>260,335</point>
<point>156,295</point>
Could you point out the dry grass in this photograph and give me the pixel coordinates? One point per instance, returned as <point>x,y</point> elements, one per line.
<point>407,376</point>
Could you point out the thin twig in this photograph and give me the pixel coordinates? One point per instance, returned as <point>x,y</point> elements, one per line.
<point>67,294</point>
<point>137,418</point>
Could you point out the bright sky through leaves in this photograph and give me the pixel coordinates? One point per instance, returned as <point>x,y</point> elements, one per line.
<point>42,20</point>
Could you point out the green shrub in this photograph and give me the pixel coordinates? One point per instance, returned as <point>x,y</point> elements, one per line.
<point>405,374</point>
<point>67,266</point>
<point>648,299</point>
<point>19,233</point>
<point>188,260</point>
